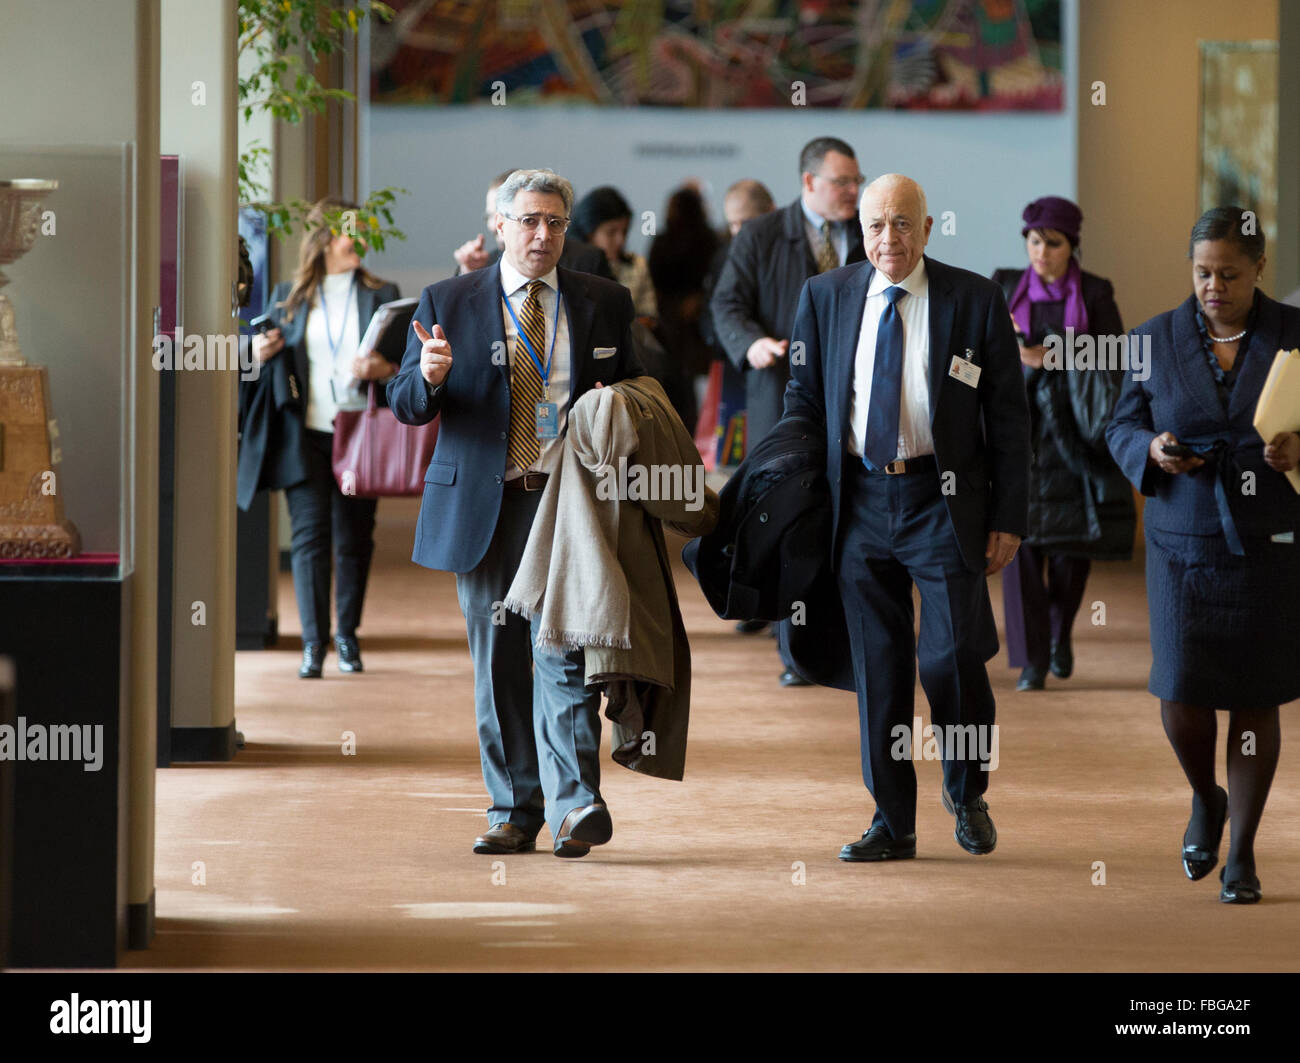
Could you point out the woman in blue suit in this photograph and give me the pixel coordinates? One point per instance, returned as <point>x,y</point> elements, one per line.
<point>1223,565</point>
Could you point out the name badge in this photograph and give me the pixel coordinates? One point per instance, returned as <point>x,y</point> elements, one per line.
<point>548,420</point>
<point>1283,537</point>
<point>965,370</point>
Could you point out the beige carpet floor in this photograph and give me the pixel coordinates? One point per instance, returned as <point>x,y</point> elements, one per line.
<point>297,856</point>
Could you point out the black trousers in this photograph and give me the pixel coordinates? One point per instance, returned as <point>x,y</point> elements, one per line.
<point>1040,611</point>
<point>322,517</point>
<point>898,535</point>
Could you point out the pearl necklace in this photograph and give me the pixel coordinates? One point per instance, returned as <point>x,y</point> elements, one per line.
<point>1225,339</point>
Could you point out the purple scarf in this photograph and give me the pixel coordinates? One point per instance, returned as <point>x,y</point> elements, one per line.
<point>1033,289</point>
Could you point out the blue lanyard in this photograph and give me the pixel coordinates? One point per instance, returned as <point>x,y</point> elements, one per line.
<point>544,370</point>
<point>325,313</point>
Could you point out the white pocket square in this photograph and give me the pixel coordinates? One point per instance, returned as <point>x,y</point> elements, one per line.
<point>604,352</point>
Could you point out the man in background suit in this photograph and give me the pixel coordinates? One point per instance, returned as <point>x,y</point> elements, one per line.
<point>530,338</point>
<point>474,254</point>
<point>913,367</point>
<point>769,259</point>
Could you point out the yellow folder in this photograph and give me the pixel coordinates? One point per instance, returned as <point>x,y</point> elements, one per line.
<point>1279,403</point>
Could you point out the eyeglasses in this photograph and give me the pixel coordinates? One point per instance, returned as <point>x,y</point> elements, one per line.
<point>530,222</point>
<point>844,182</point>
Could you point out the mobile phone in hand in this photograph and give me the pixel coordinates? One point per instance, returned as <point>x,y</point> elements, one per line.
<point>262,324</point>
<point>1178,450</point>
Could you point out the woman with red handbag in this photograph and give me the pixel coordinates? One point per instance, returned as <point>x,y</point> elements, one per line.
<point>311,365</point>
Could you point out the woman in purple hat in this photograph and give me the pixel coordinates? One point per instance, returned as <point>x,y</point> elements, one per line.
<point>1080,505</point>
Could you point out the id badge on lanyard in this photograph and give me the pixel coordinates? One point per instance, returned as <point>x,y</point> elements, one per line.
<point>547,413</point>
<point>548,420</point>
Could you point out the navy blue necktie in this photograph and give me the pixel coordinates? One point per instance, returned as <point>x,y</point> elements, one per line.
<point>881,442</point>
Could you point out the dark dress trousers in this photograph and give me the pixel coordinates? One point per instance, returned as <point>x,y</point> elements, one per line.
<point>278,450</point>
<point>1223,625</point>
<point>924,529</point>
<point>538,723</point>
<point>1080,504</point>
<point>756,296</point>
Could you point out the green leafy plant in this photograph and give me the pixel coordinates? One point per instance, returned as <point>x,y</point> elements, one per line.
<point>283,85</point>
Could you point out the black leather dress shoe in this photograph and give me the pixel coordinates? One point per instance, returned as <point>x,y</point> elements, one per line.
<point>791,678</point>
<point>582,828</point>
<point>975,831</point>
<point>750,627</point>
<point>349,654</point>
<point>1239,890</point>
<point>505,838</point>
<point>313,659</point>
<point>1063,660</point>
<point>1032,678</point>
<point>879,844</point>
<point>1199,860</point>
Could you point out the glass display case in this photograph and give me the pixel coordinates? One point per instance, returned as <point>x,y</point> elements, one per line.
<point>66,386</point>
<point>68,357</point>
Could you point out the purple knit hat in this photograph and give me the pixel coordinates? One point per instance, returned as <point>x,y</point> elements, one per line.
<point>1053,212</point>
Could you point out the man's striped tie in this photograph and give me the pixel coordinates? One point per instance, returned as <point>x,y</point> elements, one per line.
<point>524,447</point>
<point>827,256</point>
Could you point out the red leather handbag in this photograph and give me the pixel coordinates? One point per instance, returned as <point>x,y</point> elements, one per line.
<point>376,456</point>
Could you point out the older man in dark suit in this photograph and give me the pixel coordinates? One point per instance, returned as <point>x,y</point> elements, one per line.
<point>913,367</point>
<point>529,339</point>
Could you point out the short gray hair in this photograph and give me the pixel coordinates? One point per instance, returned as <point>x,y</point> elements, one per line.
<point>546,181</point>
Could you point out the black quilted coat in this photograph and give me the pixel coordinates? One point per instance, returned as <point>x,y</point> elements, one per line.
<point>1080,504</point>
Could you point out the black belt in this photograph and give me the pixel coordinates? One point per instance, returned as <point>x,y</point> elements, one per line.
<point>530,481</point>
<point>902,466</point>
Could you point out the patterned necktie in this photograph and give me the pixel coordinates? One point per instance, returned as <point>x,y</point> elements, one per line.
<point>881,443</point>
<point>827,256</point>
<point>524,447</point>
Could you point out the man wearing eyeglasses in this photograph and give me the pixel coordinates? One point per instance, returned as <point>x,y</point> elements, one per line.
<point>754,302</point>
<point>475,254</point>
<point>502,353</point>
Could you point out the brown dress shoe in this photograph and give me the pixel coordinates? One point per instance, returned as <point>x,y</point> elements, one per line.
<point>582,828</point>
<point>505,838</point>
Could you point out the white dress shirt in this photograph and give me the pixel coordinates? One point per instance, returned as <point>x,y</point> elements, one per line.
<point>335,298</point>
<point>516,288</point>
<point>914,437</point>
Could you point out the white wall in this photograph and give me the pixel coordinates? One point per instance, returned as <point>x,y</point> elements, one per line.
<point>984,167</point>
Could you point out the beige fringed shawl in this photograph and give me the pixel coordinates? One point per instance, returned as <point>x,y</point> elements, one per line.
<point>596,567</point>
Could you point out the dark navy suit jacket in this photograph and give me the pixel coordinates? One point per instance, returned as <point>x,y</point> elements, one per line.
<point>465,479</point>
<point>1180,397</point>
<point>980,433</point>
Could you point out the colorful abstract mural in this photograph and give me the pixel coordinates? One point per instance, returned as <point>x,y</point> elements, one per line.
<point>951,55</point>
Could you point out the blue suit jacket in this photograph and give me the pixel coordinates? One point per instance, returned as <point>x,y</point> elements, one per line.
<point>464,482</point>
<point>1179,396</point>
<point>981,434</point>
